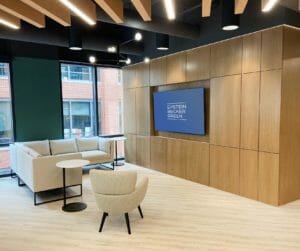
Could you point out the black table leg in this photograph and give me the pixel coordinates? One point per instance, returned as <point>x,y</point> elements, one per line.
<point>116,162</point>
<point>71,207</point>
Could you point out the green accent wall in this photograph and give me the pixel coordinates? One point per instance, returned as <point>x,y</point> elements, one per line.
<point>37,99</point>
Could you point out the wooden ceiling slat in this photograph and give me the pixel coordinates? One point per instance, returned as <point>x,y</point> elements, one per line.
<point>144,8</point>
<point>240,6</point>
<point>114,8</point>
<point>23,11</point>
<point>206,8</point>
<point>5,17</point>
<point>52,9</point>
<point>88,8</point>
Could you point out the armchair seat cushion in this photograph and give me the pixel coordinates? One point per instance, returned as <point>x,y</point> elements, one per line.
<point>95,156</point>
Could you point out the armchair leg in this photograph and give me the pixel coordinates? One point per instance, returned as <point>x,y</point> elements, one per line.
<point>127,223</point>
<point>141,212</point>
<point>102,221</point>
<point>20,184</point>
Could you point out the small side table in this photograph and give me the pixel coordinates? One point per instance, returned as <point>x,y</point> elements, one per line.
<point>116,139</point>
<point>69,164</point>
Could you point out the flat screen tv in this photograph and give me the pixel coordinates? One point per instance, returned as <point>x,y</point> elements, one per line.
<point>180,111</point>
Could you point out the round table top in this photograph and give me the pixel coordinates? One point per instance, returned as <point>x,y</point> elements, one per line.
<point>72,163</point>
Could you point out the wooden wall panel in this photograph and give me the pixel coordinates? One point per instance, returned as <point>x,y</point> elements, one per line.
<point>176,157</point>
<point>176,68</point>
<point>270,102</point>
<point>225,94</point>
<point>250,110</point>
<point>272,42</point>
<point>251,52</point>
<point>143,151</point>
<point>158,73</point>
<point>198,64</point>
<point>224,168</point>
<point>268,178</point>
<point>142,75</point>
<point>226,58</point>
<point>158,153</point>
<point>197,165</point>
<point>142,111</point>
<point>290,119</point>
<point>129,110</point>
<point>249,174</point>
<point>130,148</point>
<point>129,76</point>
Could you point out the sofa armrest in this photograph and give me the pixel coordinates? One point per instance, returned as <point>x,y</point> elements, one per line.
<point>107,145</point>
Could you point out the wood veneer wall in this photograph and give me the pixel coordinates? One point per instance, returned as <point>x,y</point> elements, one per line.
<point>252,143</point>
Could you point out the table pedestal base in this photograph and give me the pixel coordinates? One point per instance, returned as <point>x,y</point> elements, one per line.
<point>74,207</point>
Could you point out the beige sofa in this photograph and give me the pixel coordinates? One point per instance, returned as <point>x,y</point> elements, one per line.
<point>35,162</point>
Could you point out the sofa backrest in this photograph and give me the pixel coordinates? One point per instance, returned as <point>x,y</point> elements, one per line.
<point>87,144</point>
<point>61,146</point>
<point>41,146</point>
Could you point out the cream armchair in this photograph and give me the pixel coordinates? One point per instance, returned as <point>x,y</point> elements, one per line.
<point>117,193</point>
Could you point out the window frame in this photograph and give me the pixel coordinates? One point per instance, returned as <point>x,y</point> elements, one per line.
<point>95,98</point>
<point>12,105</point>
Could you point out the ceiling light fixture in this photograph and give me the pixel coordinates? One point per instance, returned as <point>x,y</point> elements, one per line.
<point>92,59</point>
<point>268,5</point>
<point>162,42</point>
<point>78,12</point>
<point>170,9</point>
<point>146,60</point>
<point>230,21</point>
<point>138,36</point>
<point>128,61</point>
<point>75,41</point>
<point>9,24</point>
<point>112,49</point>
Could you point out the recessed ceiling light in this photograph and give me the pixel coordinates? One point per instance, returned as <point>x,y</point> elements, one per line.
<point>92,59</point>
<point>267,6</point>
<point>230,27</point>
<point>9,24</point>
<point>170,9</point>
<point>74,48</point>
<point>128,61</point>
<point>78,12</point>
<point>146,60</point>
<point>111,49</point>
<point>138,36</point>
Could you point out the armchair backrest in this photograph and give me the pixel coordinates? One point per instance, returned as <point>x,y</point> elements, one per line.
<point>113,182</point>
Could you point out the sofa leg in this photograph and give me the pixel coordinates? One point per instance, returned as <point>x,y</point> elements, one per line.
<point>127,223</point>
<point>34,198</point>
<point>141,212</point>
<point>102,221</point>
<point>19,182</point>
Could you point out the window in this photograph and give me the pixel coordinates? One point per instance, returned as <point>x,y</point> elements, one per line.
<point>6,124</point>
<point>79,73</point>
<point>110,98</point>
<point>78,100</point>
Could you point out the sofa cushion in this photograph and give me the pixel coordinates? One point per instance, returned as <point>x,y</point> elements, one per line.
<point>41,146</point>
<point>61,146</point>
<point>96,156</point>
<point>31,151</point>
<point>87,144</point>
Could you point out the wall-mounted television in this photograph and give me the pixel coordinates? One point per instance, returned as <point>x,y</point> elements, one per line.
<point>180,111</point>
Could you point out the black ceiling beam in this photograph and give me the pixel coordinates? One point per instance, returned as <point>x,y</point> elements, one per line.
<point>157,24</point>
<point>58,36</point>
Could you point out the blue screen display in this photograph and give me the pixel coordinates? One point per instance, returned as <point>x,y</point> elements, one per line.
<point>180,111</point>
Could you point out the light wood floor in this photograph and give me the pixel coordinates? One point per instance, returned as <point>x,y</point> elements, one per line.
<point>179,215</point>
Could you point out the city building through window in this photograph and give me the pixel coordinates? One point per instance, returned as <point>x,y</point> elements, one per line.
<point>6,121</point>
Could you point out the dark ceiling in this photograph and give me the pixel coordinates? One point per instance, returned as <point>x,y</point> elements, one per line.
<point>187,31</point>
